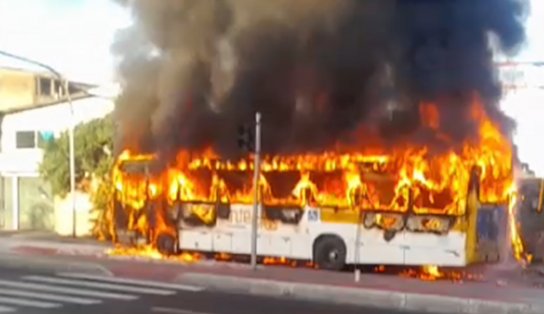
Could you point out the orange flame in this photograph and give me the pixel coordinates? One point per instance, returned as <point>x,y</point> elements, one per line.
<point>431,272</point>
<point>434,183</point>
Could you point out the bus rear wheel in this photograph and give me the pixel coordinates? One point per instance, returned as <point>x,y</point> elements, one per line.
<point>330,253</point>
<point>166,244</point>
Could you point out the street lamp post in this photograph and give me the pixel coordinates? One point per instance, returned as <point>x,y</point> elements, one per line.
<point>66,90</point>
<point>72,158</point>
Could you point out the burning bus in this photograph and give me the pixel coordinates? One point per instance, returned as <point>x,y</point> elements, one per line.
<point>408,207</point>
<point>381,127</point>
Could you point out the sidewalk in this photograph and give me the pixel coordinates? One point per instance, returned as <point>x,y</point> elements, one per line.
<point>46,243</point>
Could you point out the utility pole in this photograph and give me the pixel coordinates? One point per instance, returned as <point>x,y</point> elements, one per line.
<point>256,175</point>
<point>357,271</point>
<point>72,159</point>
<point>72,162</point>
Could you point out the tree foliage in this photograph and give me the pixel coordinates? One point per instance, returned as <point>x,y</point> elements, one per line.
<point>93,143</point>
<point>93,146</point>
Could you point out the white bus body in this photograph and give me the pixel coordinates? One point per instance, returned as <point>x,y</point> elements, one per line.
<point>301,240</point>
<point>324,234</point>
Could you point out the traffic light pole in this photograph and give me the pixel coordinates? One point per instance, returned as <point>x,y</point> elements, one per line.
<point>357,271</point>
<point>256,175</point>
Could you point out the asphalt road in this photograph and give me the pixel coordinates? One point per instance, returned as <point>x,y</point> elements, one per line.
<point>45,292</point>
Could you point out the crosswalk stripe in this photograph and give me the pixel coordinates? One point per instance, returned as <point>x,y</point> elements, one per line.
<point>67,290</point>
<point>148,283</point>
<point>89,284</point>
<point>6,309</point>
<point>48,296</point>
<point>28,302</point>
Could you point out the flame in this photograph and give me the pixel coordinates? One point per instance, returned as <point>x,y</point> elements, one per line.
<point>514,227</point>
<point>431,272</point>
<point>373,178</point>
<point>149,252</point>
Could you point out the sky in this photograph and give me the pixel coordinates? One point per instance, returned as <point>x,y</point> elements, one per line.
<point>74,37</point>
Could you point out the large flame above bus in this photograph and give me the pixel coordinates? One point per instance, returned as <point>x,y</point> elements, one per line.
<point>432,182</point>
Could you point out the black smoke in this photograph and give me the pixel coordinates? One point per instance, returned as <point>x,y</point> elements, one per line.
<point>323,73</point>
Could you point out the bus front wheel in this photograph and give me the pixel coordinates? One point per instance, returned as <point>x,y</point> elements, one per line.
<point>330,253</point>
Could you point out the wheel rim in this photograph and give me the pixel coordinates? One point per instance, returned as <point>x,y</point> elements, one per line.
<point>333,255</point>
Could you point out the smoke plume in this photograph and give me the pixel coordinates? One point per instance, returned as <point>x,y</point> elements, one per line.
<point>323,73</point>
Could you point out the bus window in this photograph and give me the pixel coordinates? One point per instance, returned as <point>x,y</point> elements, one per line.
<point>286,215</point>
<point>196,214</point>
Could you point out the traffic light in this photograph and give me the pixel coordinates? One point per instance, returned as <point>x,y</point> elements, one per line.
<point>245,138</point>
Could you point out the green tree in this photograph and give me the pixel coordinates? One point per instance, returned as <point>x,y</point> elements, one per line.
<point>93,160</point>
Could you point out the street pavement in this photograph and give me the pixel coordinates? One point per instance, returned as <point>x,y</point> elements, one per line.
<point>43,292</point>
<point>503,290</point>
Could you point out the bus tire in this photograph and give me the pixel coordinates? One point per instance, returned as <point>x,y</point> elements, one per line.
<point>330,253</point>
<point>166,244</point>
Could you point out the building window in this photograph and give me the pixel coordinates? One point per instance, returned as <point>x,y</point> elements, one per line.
<point>46,86</point>
<point>33,139</point>
<point>25,139</point>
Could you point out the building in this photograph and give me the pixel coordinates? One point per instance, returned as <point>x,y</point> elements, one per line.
<point>21,88</point>
<point>33,109</point>
<point>523,84</point>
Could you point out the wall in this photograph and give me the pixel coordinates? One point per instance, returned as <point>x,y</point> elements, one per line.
<point>6,202</point>
<point>23,89</point>
<point>25,200</point>
<point>53,118</point>
<point>63,215</point>
<point>17,88</point>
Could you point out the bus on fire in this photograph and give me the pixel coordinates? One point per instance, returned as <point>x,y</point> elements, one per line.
<point>209,207</point>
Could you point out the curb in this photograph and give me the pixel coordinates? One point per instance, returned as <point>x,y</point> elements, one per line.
<point>50,264</point>
<point>48,250</point>
<point>422,303</point>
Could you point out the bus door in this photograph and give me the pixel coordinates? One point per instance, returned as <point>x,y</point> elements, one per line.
<point>381,237</point>
<point>280,226</point>
<point>222,233</point>
<point>491,232</point>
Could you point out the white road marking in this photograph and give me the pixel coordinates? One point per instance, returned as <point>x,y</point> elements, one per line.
<point>48,296</point>
<point>5,309</point>
<point>148,283</point>
<point>68,290</point>
<point>27,302</point>
<point>174,311</point>
<point>88,284</point>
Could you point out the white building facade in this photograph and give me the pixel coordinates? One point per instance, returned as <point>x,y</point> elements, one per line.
<point>26,201</point>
